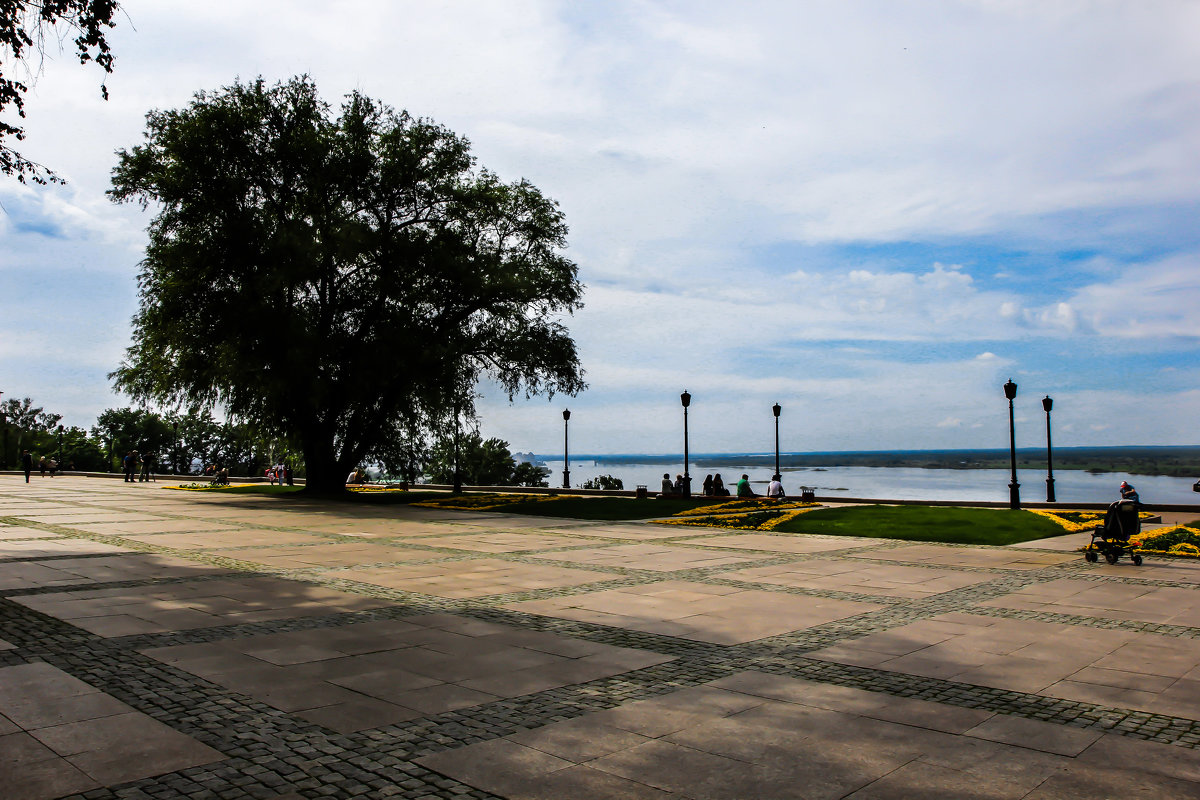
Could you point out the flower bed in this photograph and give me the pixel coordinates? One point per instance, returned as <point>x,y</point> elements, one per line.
<point>208,487</point>
<point>483,502</point>
<point>746,504</point>
<point>1178,540</point>
<point>755,520</point>
<point>1076,521</point>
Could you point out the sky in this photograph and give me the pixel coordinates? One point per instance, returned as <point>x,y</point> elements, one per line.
<point>871,213</point>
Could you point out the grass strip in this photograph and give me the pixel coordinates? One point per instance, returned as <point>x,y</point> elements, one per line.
<point>925,524</point>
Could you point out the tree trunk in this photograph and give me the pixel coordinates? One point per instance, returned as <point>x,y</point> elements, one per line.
<point>324,473</point>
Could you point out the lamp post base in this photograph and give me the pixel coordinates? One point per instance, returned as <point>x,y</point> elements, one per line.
<point>1014,496</point>
<point>1050,491</point>
<point>687,486</point>
<point>566,479</point>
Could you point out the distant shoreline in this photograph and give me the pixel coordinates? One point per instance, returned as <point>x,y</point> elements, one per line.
<point>1171,461</point>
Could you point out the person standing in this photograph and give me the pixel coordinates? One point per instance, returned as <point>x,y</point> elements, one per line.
<point>128,464</point>
<point>42,466</point>
<point>26,463</point>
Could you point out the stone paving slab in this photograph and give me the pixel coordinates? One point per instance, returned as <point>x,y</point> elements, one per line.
<point>472,578</point>
<point>658,558</point>
<point>59,546</point>
<point>326,555</point>
<point>883,579</point>
<point>704,612</point>
<point>993,558</point>
<point>664,662</point>
<point>778,543</point>
<point>101,569</point>
<point>499,542</point>
<point>19,532</point>
<point>182,606</point>
<point>222,539</point>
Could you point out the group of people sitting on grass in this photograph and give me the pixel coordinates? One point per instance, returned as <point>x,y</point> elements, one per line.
<point>714,486</point>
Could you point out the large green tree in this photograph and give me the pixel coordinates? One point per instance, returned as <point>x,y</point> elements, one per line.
<point>342,279</point>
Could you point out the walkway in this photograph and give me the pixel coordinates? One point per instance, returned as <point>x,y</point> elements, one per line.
<point>169,644</point>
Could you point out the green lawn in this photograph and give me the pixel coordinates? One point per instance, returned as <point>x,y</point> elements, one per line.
<point>926,524</point>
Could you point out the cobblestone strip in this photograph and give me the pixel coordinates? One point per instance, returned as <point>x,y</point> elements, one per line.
<point>1083,572</point>
<point>1137,724</point>
<point>831,594</point>
<point>131,583</point>
<point>895,616</point>
<point>1079,620</point>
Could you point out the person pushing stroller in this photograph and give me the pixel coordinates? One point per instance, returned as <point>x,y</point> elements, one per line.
<point>1121,521</point>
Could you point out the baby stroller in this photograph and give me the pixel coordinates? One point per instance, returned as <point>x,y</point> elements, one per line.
<point>1112,538</point>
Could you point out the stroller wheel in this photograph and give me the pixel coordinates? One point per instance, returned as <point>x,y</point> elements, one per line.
<point>1137,561</point>
<point>1111,557</point>
<point>1090,555</point>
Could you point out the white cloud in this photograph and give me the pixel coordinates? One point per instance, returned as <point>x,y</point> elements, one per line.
<point>684,140</point>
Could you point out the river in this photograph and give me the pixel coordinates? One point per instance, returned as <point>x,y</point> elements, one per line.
<point>900,483</point>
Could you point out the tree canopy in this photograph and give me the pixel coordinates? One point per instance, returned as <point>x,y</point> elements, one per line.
<point>24,27</point>
<point>341,279</point>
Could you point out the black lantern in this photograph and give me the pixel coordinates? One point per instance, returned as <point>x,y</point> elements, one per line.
<point>1014,488</point>
<point>1047,404</point>
<point>686,399</point>
<point>566,450</point>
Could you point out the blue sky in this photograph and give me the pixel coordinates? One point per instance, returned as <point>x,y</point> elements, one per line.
<point>871,213</point>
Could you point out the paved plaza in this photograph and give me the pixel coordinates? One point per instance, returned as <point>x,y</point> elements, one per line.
<point>165,644</point>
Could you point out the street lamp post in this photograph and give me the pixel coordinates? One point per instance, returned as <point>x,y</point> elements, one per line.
<point>775,409</point>
<point>4,425</point>
<point>1047,404</point>
<point>566,449</point>
<point>175,447</point>
<point>1014,488</point>
<point>457,471</point>
<point>59,458</point>
<point>686,399</point>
